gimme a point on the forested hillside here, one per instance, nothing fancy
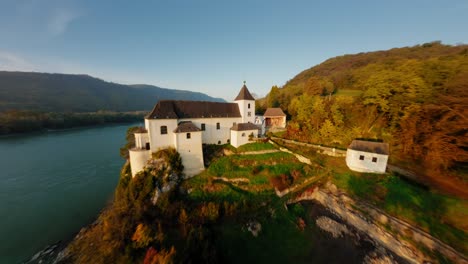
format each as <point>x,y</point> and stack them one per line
<point>415,98</point>
<point>81,93</point>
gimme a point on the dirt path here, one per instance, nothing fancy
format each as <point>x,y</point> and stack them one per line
<point>259,152</point>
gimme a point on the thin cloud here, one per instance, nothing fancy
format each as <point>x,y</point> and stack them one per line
<point>12,62</point>
<point>60,21</point>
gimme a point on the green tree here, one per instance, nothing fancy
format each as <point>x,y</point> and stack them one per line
<point>273,98</point>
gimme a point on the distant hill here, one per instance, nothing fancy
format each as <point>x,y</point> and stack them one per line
<point>81,93</point>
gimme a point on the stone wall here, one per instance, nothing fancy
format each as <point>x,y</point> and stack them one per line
<point>323,150</point>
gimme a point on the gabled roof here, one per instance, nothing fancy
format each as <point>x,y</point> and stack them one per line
<point>244,127</point>
<point>244,94</point>
<point>170,109</point>
<point>273,112</point>
<point>186,126</point>
<point>369,146</point>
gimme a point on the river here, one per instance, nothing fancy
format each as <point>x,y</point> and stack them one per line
<point>52,184</point>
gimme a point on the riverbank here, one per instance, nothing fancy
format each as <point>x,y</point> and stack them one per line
<point>20,122</point>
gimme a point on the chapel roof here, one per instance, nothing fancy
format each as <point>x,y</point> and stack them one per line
<point>244,94</point>
<point>244,127</point>
<point>186,126</point>
<point>369,146</point>
<point>171,109</point>
<point>271,112</point>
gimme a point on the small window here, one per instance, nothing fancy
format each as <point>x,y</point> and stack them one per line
<point>188,135</point>
<point>248,106</point>
<point>361,157</point>
<point>147,146</point>
<point>243,134</point>
<point>163,130</point>
<point>218,126</point>
<point>228,141</point>
<point>374,159</point>
<point>219,142</point>
<point>203,127</point>
<point>249,114</point>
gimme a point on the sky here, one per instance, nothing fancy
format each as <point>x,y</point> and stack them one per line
<point>212,46</point>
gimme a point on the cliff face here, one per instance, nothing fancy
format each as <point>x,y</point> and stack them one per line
<point>390,232</point>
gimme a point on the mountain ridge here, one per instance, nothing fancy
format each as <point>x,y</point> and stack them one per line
<point>58,92</point>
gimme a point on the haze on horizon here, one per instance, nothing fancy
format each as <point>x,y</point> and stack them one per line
<point>212,46</point>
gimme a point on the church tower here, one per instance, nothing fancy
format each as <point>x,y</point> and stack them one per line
<point>246,104</point>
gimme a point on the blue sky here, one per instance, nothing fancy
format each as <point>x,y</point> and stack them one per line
<point>212,46</point>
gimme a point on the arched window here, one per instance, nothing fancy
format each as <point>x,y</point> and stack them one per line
<point>248,106</point>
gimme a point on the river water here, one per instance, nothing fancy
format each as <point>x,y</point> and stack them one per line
<point>52,184</point>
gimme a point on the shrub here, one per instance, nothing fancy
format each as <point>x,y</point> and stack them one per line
<point>281,182</point>
<point>142,236</point>
<point>257,169</point>
<point>162,257</point>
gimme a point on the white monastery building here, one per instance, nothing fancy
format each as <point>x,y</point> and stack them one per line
<point>186,125</point>
<point>367,156</point>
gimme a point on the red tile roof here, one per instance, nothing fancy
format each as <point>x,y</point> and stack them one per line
<point>186,126</point>
<point>244,94</point>
<point>244,127</point>
<point>369,146</point>
<point>170,109</point>
<point>273,112</point>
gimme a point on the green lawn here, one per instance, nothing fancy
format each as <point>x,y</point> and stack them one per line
<point>255,146</point>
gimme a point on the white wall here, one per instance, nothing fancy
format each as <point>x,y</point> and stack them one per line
<point>366,165</point>
<point>158,141</point>
<point>138,160</point>
<point>244,110</point>
<point>211,135</point>
<point>238,140</point>
<point>190,151</point>
<point>141,139</point>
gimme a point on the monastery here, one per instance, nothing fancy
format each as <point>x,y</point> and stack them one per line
<point>186,125</point>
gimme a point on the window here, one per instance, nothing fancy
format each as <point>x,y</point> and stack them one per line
<point>374,159</point>
<point>243,134</point>
<point>218,126</point>
<point>203,127</point>
<point>361,157</point>
<point>248,106</point>
<point>147,146</point>
<point>188,135</point>
<point>228,141</point>
<point>249,114</point>
<point>163,130</point>
<point>219,142</point>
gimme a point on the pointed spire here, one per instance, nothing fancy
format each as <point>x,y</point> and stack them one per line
<point>244,94</point>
